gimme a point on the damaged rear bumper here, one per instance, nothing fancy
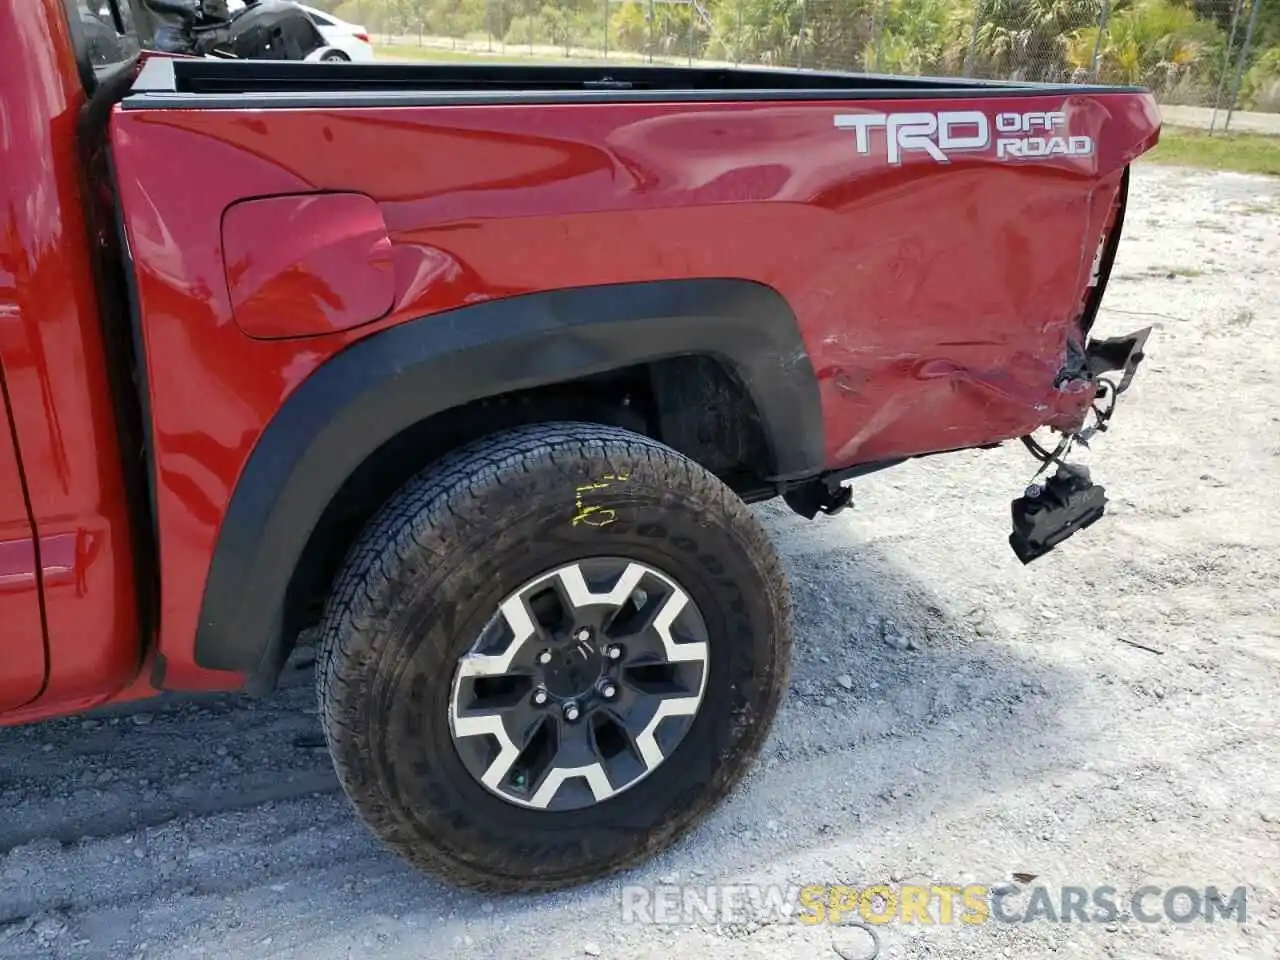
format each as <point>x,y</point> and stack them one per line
<point>1047,514</point>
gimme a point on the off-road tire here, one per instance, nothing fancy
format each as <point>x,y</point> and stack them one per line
<point>430,570</point>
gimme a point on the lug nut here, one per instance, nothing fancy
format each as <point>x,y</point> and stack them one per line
<point>544,656</point>
<point>608,690</point>
<point>583,635</point>
<point>540,696</point>
<point>613,651</point>
<point>571,712</point>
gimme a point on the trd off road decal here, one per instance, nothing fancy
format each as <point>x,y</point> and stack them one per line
<point>1017,136</point>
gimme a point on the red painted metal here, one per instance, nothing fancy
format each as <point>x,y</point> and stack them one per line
<point>55,370</point>
<point>22,652</point>
<point>935,302</point>
<point>300,266</point>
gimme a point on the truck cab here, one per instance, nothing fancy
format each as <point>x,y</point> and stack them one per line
<point>69,574</point>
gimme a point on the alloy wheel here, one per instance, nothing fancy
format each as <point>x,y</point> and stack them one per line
<point>585,680</point>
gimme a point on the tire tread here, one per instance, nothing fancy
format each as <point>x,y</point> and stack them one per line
<point>419,521</point>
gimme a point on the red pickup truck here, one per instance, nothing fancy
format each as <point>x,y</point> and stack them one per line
<point>469,373</point>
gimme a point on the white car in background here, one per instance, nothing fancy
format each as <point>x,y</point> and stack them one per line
<point>346,38</point>
<point>348,41</point>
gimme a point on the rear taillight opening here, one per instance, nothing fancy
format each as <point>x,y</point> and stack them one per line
<point>363,37</point>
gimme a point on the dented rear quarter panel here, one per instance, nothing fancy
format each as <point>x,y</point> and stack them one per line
<point>935,300</point>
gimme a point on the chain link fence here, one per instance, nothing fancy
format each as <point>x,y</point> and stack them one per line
<point>1217,55</point>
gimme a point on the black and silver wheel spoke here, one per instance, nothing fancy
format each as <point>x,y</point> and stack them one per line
<point>585,680</point>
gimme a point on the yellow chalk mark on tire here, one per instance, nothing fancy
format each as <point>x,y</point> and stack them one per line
<point>590,514</point>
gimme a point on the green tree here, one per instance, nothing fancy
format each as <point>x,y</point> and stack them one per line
<point>1153,43</point>
<point>759,31</point>
<point>842,36</point>
<point>1030,39</point>
<point>629,28</point>
<point>1261,87</point>
<point>922,37</point>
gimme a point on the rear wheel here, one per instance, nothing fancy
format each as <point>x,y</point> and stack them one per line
<point>550,655</point>
<point>335,56</point>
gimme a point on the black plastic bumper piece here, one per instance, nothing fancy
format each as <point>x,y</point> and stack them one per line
<point>1045,516</point>
<point>1118,353</point>
<point>820,495</point>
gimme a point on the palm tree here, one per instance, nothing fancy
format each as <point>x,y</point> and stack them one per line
<point>1150,42</point>
<point>922,37</point>
<point>1029,39</point>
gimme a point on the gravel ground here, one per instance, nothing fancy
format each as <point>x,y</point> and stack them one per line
<point>953,716</point>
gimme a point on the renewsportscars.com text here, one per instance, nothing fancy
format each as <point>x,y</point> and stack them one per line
<point>928,904</point>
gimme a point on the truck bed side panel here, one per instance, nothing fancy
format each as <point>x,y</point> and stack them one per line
<point>935,299</point>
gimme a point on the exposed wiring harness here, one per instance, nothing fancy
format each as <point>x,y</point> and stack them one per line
<point>1108,392</point>
<point>1103,406</point>
<point>1047,457</point>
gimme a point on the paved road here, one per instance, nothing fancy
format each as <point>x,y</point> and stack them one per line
<point>1241,122</point>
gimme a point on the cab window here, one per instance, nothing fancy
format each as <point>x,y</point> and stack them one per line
<point>106,33</point>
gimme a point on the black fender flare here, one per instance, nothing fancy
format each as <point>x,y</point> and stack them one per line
<point>388,381</point>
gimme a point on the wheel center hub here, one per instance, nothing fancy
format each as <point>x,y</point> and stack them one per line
<point>574,668</point>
